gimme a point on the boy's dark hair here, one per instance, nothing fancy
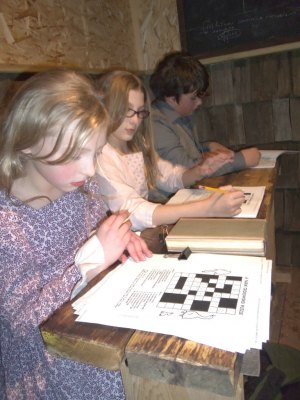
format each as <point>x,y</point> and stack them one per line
<point>178,73</point>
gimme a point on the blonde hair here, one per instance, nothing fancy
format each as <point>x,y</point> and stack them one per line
<point>46,104</point>
<point>115,87</point>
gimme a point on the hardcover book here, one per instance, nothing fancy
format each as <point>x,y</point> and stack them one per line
<point>219,235</point>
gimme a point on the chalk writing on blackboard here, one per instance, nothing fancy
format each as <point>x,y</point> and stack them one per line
<point>218,26</point>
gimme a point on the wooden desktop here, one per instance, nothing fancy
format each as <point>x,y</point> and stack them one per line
<point>156,366</point>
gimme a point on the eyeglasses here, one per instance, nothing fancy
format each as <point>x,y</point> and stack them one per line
<point>200,93</point>
<point>142,114</point>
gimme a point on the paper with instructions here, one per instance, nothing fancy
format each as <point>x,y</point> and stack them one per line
<point>253,198</point>
<point>269,157</point>
<point>217,300</point>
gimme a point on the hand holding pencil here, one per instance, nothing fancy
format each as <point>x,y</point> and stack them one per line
<point>225,200</point>
<point>212,189</point>
<point>221,189</point>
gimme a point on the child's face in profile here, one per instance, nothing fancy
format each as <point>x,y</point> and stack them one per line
<point>127,129</point>
<point>55,180</point>
<point>187,104</point>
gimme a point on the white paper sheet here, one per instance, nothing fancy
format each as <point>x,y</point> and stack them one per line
<point>254,196</point>
<point>221,301</point>
<point>269,157</point>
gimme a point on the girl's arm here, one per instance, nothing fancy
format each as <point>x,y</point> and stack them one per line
<point>106,246</point>
<point>217,205</point>
<point>27,296</point>
<point>120,189</point>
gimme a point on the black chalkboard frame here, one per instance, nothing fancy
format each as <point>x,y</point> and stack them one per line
<point>265,28</point>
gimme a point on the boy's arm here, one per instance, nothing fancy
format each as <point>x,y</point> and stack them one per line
<point>252,156</point>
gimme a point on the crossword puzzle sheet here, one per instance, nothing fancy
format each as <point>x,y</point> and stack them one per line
<point>202,292</point>
<point>219,300</point>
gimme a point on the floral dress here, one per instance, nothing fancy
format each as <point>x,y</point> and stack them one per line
<point>37,275</point>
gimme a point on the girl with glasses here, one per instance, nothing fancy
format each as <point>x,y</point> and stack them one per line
<point>129,168</point>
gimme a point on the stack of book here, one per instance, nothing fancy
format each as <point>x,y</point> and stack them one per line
<point>219,235</point>
<point>242,235</point>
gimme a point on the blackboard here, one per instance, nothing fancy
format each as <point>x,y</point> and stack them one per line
<point>214,27</point>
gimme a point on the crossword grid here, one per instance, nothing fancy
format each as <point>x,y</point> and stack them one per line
<point>248,197</point>
<point>202,292</point>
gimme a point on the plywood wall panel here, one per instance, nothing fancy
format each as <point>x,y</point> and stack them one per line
<point>90,34</point>
<point>66,32</point>
<point>156,30</point>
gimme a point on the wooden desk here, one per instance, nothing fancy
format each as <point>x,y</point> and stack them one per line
<point>156,366</point>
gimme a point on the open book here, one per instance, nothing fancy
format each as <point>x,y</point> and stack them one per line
<point>253,198</point>
<point>219,235</point>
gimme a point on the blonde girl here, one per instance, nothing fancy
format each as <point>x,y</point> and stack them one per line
<point>50,210</point>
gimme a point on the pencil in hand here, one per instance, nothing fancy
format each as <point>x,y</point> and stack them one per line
<point>109,213</point>
<point>211,189</point>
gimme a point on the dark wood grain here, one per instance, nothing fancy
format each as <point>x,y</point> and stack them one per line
<point>182,362</point>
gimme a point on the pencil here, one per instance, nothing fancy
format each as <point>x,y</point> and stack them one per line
<point>211,189</point>
<point>109,213</point>
<point>126,219</point>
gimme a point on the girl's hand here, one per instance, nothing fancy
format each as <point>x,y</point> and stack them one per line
<point>227,204</point>
<point>136,248</point>
<point>116,236</point>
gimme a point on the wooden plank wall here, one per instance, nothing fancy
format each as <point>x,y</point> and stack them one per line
<point>256,101</point>
<point>253,101</point>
